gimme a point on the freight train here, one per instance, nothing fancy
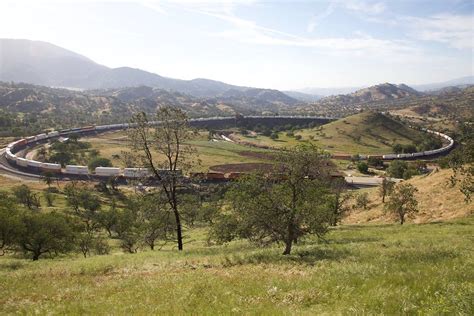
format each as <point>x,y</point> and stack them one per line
<point>135,173</point>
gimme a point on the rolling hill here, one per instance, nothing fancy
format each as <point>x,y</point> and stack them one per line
<point>381,92</point>
<point>364,133</point>
<point>367,132</point>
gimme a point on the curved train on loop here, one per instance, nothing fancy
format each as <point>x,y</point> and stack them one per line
<point>136,173</point>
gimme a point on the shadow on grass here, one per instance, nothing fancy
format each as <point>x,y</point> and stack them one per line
<point>12,266</point>
<point>303,256</point>
<point>350,240</point>
<point>424,256</point>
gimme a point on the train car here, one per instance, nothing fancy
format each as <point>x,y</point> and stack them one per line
<point>215,176</point>
<point>234,175</point>
<point>77,170</point>
<point>136,173</point>
<point>102,127</point>
<point>389,156</point>
<point>30,139</point>
<point>87,129</point>
<point>22,162</point>
<point>341,156</point>
<point>375,156</point>
<point>50,167</point>
<point>10,156</point>
<point>40,137</point>
<point>64,131</point>
<point>107,171</point>
<point>34,165</point>
<point>20,143</point>
<point>53,134</point>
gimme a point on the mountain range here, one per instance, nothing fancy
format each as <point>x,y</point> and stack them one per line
<point>46,64</point>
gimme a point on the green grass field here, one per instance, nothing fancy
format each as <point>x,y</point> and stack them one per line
<point>425,269</point>
<point>209,152</point>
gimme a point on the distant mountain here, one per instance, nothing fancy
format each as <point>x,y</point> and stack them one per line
<point>305,97</point>
<point>458,82</point>
<point>68,108</point>
<point>380,92</point>
<point>324,92</point>
<point>46,64</point>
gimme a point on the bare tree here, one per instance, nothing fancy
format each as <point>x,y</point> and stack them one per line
<point>160,147</point>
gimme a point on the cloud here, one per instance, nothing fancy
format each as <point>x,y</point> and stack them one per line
<point>455,30</point>
<point>371,8</point>
<point>248,31</point>
<point>316,19</point>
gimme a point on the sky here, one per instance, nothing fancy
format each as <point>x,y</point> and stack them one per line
<point>268,44</point>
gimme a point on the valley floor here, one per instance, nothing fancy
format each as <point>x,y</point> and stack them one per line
<point>362,269</point>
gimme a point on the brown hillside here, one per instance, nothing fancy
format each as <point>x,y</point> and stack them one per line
<point>437,201</point>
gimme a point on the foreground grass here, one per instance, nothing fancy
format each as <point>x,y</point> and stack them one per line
<point>424,269</point>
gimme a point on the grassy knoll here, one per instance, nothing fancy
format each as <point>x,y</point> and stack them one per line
<point>367,132</point>
<point>209,152</point>
<point>371,269</point>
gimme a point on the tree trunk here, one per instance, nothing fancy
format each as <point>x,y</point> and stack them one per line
<point>288,245</point>
<point>179,235</point>
<point>36,255</point>
<point>402,219</point>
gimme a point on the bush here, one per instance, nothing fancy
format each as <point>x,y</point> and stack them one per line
<point>274,135</point>
<point>363,167</point>
<point>298,137</point>
<point>375,161</point>
<point>362,201</point>
<point>402,170</point>
<point>99,162</point>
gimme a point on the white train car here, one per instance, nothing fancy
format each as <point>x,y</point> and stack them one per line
<point>107,171</point>
<point>50,167</point>
<point>40,137</point>
<point>35,165</point>
<point>53,134</point>
<point>78,170</point>
<point>22,162</point>
<point>136,173</point>
<point>10,156</point>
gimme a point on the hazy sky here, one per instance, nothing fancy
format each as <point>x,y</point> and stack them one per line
<point>268,44</point>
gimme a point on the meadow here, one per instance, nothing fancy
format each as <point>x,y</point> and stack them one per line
<point>360,269</point>
<point>209,153</point>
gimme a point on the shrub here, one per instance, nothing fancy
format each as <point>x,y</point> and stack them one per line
<point>363,167</point>
<point>99,162</point>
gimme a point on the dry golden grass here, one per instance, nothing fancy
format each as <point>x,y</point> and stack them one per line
<point>437,200</point>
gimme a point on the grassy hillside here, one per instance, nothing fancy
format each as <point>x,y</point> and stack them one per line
<point>366,132</point>
<point>437,201</point>
<point>387,269</point>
